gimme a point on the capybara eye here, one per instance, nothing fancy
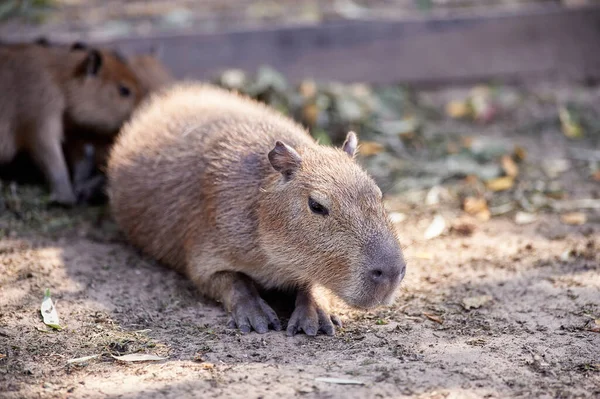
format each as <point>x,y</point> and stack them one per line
<point>317,208</point>
<point>124,91</point>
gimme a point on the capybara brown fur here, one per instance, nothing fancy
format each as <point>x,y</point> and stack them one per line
<point>47,88</point>
<point>240,198</point>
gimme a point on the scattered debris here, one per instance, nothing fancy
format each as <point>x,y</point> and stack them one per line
<point>436,228</point>
<point>525,218</point>
<point>340,381</point>
<point>82,359</point>
<point>478,207</point>
<point>475,302</point>
<point>434,318</point>
<point>573,218</point>
<point>509,166</point>
<point>570,124</point>
<point>369,148</point>
<point>138,357</point>
<point>48,310</point>
<point>501,183</point>
<point>397,217</point>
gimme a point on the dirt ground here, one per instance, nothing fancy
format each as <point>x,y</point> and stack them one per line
<point>533,338</point>
<point>534,330</point>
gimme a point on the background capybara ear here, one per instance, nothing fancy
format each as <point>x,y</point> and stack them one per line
<point>92,63</point>
<point>285,159</point>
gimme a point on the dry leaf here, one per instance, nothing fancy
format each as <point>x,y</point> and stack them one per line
<point>510,167</point>
<point>397,217</point>
<point>424,255</point>
<point>573,218</point>
<point>520,153</point>
<point>369,148</point>
<point>433,317</point>
<point>436,228</point>
<point>478,207</point>
<point>596,175</point>
<point>570,127</point>
<point>49,313</point>
<point>458,109</point>
<point>525,218</point>
<point>310,113</point>
<point>2,355</point>
<point>476,302</point>
<point>208,366</point>
<point>501,183</point>
<point>474,205</point>
<point>308,88</point>
<point>340,381</point>
<point>138,357</point>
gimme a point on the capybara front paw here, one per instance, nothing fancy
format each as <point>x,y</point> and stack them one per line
<point>312,319</point>
<point>253,313</point>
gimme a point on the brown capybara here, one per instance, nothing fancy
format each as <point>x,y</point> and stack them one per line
<point>239,198</point>
<point>87,152</point>
<point>46,88</point>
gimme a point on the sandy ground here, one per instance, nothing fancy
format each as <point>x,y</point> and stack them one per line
<point>533,338</point>
<point>534,333</point>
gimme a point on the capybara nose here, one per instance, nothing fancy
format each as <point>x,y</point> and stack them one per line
<point>388,272</point>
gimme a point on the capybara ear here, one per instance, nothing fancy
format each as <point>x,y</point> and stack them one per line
<point>350,144</point>
<point>285,159</point>
<point>92,63</point>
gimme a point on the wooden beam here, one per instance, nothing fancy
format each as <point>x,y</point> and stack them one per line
<point>551,43</point>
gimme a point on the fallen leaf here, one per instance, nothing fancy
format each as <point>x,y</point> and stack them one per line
<point>208,366</point>
<point>138,357</point>
<point>501,183</point>
<point>573,218</point>
<point>340,381</point>
<point>436,228</point>
<point>520,153</point>
<point>49,313</point>
<point>596,176</point>
<point>433,196</point>
<point>310,113</point>
<point>570,126</point>
<point>397,217</point>
<point>525,218</point>
<point>476,302</point>
<point>565,255</point>
<point>477,207</point>
<point>82,359</point>
<point>424,255</point>
<point>308,88</point>
<point>2,355</point>
<point>458,109</point>
<point>369,148</point>
<point>510,167</point>
<point>433,317</point>
<point>554,167</point>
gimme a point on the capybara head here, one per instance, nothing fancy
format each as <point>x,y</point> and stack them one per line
<point>102,92</point>
<point>324,218</point>
<point>151,72</point>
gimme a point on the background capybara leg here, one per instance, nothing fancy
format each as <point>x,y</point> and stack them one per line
<point>47,152</point>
